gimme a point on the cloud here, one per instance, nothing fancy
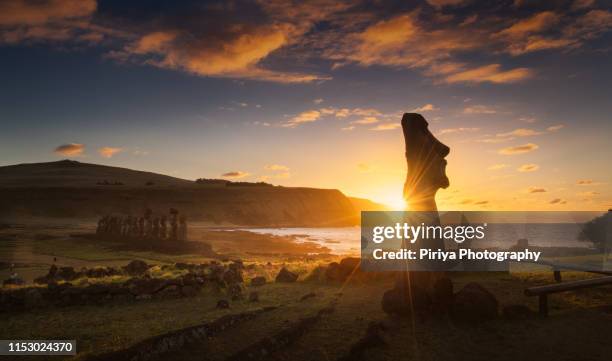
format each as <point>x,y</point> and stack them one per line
<point>521,132</point>
<point>490,73</point>
<point>534,24</point>
<point>558,201</point>
<point>49,20</point>
<point>308,116</point>
<point>536,190</point>
<point>588,194</point>
<point>366,120</point>
<point>519,149</point>
<point>235,174</point>
<point>528,168</point>
<point>497,166</point>
<point>236,54</point>
<point>349,128</point>
<point>554,128</point>
<point>479,109</point>
<point>276,167</point>
<point>425,108</point>
<point>407,41</point>
<point>481,203</point>
<point>582,4</point>
<point>456,130</point>
<point>387,126</point>
<point>318,101</point>
<point>584,182</point>
<point>109,152</point>
<point>466,201</point>
<point>71,149</point>
<point>364,168</point>
<point>442,3</point>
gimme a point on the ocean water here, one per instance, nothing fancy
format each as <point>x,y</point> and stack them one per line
<point>346,240</point>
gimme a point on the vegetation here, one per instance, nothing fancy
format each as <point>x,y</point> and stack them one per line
<point>599,231</point>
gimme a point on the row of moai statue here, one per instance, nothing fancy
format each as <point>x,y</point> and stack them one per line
<point>147,226</point>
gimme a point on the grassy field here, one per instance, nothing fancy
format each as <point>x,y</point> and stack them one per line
<point>579,325</point>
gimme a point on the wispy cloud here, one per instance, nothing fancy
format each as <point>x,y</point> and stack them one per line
<point>521,132</point>
<point>235,174</point>
<point>554,128</point>
<point>525,168</point>
<point>519,149</point>
<point>536,190</point>
<point>492,73</point>
<point>387,126</point>
<point>425,108</point>
<point>308,116</point>
<point>366,120</point>
<point>109,152</point>
<point>70,149</point>
<point>479,109</point>
<point>558,201</point>
<point>276,167</point>
<point>457,130</point>
<point>497,166</point>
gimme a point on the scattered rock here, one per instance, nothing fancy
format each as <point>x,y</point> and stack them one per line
<point>253,296</point>
<point>402,301</point>
<point>233,275</point>
<point>286,276</point>
<point>136,268</point>
<point>13,281</point>
<point>222,304</point>
<point>517,312</point>
<point>258,281</point>
<point>474,304</point>
<point>307,296</point>
<point>235,291</point>
<point>67,273</point>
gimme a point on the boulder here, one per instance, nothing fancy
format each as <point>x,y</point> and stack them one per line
<point>233,275</point>
<point>235,291</point>
<point>286,276</point>
<point>258,281</point>
<point>402,301</point>
<point>136,268</point>
<point>474,304</point>
<point>340,272</point>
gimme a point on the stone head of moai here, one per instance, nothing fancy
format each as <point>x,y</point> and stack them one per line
<point>426,164</point>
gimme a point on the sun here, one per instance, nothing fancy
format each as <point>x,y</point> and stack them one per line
<point>396,203</point>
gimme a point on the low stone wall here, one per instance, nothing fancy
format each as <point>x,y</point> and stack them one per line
<point>140,286</point>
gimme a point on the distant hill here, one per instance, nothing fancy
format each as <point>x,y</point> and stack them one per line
<point>82,190</point>
<point>362,204</point>
<point>70,173</point>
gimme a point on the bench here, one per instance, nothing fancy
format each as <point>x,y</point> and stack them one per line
<point>543,291</point>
